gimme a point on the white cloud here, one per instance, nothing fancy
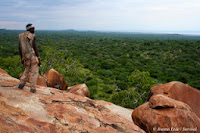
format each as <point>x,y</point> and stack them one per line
<point>104,14</point>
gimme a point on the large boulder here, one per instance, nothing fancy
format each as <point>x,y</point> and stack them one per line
<point>181,92</point>
<point>55,111</point>
<point>55,79</point>
<point>80,89</point>
<point>164,114</point>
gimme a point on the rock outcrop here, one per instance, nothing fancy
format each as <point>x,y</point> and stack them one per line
<point>55,111</point>
<point>80,89</point>
<point>169,110</point>
<point>181,92</point>
<point>55,79</point>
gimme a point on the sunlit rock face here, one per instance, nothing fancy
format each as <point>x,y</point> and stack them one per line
<point>54,78</point>
<point>56,111</point>
<point>181,92</point>
<point>80,89</point>
<point>169,109</point>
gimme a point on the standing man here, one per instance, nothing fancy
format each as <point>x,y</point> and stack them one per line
<point>29,57</point>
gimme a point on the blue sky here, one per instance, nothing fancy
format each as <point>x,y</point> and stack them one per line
<point>102,15</point>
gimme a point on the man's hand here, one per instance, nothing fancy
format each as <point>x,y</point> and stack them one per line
<point>22,62</point>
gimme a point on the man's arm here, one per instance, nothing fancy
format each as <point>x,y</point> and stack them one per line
<point>20,50</point>
<point>35,47</point>
<point>36,50</point>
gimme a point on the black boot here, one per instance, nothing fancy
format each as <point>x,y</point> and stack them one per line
<point>21,86</point>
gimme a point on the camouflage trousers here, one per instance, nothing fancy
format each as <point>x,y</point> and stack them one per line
<point>32,67</point>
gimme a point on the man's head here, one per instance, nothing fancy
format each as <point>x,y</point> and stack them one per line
<point>30,27</point>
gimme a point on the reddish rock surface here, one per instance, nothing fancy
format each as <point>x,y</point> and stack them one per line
<point>41,81</point>
<point>8,80</point>
<point>80,89</point>
<point>53,78</point>
<point>164,114</point>
<point>171,107</point>
<point>4,73</point>
<point>56,111</point>
<point>181,92</point>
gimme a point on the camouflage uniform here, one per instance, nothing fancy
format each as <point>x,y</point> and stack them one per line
<point>26,40</point>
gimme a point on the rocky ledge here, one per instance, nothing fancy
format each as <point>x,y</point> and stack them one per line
<point>171,107</point>
<point>56,111</point>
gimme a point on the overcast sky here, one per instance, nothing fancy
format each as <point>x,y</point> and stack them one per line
<point>102,15</point>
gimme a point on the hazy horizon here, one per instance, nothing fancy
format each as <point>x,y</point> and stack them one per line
<point>115,31</point>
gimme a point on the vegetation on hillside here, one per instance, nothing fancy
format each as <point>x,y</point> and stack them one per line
<point>117,67</point>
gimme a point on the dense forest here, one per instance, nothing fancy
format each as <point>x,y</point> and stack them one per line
<point>117,67</point>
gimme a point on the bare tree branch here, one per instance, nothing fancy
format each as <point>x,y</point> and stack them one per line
<point>137,100</point>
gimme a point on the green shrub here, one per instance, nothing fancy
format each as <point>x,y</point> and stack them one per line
<point>139,86</point>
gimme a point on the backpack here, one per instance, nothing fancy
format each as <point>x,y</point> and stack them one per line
<point>26,43</point>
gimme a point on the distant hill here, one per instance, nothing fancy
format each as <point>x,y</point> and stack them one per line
<point>3,29</point>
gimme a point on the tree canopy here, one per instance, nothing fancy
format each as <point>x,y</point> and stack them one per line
<point>117,67</point>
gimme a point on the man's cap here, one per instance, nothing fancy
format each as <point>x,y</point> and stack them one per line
<point>30,27</point>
